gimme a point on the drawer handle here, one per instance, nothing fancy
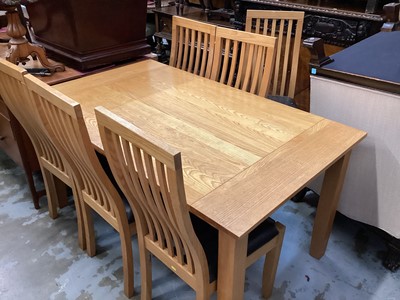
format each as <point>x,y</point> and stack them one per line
<point>2,138</point>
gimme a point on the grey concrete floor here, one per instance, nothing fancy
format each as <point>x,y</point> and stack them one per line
<point>40,258</point>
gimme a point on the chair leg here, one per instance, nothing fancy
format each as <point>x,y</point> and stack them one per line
<point>271,263</point>
<point>79,218</point>
<point>127,262</point>
<point>36,195</point>
<point>61,190</point>
<point>86,217</point>
<point>202,294</point>
<point>53,192</point>
<point>145,271</point>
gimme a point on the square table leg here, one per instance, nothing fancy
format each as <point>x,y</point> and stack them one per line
<point>326,210</point>
<point>232,254</point>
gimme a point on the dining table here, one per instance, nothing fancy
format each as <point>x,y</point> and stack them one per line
<point>243,155</point>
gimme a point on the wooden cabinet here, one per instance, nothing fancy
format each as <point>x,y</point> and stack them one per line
<point>85,34</point>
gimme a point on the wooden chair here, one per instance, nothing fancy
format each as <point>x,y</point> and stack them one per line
<point>55,170</point>
<point>63,119</point>
<point>278,24</point>
<point>192,46</point>
<point>150,174</point>
<point>243,60</point>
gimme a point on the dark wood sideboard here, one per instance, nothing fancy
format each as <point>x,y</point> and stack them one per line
<point>341,23</point>
<point>85,34</point>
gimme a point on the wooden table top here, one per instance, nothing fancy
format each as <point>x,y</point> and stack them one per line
<point>243,155</point>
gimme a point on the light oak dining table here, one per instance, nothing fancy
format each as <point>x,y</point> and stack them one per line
<point>243,156</point>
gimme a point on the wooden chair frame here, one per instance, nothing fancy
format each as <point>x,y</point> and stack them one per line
<point>62,117</point>
<point>55,170</point>
<point>287,27</point>
<point>150,174</point>
<point>192,46</point>
<point>243,60</point>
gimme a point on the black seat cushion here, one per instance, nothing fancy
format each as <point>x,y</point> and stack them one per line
<point>208,237</point>
<point>261,235</point>
<point>283,100</point>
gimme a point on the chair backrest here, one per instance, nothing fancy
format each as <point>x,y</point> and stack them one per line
<point>62,117</point>
<point>287,26</point>
<point>16,97</point>
<point>243,60</point>
<point>149,173</point>
<point>192,46</point>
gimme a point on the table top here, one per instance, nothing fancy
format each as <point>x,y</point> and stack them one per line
<point>373,62</point>
<point>243,156</point>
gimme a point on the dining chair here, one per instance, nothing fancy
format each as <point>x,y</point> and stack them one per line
<point>54,168</point>
<point>243,60</point>
<point>279,24</point>
<point>192,46</point>
<point>150,174</point>
<point>287,27</point>
<point>63,119</point>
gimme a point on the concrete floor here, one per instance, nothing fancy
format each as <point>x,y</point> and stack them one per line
<point>40,259</point>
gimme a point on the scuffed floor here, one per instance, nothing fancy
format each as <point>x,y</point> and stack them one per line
<point>40,258</point>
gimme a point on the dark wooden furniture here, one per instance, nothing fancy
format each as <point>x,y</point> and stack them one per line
<point>163,20</point>
<point>361,88</point>
<point>86,34</point>
<point>19,47</point>
<point>341,23</point>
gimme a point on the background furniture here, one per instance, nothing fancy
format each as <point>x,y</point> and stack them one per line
<point>255,140</point>
<point>163,20</point>
<point>243,60</point>
<point>361,88</point>
<point>150,174</point>
<point>85,34</point>
<point>192,46</point>
<point>19,47</point>
<point>339,23</point>
<point>65,127</point>
<point>286,26</point>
